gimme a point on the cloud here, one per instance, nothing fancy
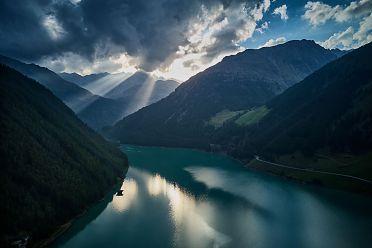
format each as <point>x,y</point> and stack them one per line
<point>282,12</point>
<point>150,35</point>
<point>364,33</point>
<point>274,42</point>
<point>317,13</point>
<point>350,38</point>
<point>344,38</point>
<point>71,62</point>
<point>264,26</point>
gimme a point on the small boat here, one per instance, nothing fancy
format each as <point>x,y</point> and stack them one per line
<point>120,192</point>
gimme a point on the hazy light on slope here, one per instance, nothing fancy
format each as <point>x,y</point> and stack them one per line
<point>142,96</point>
<point>103,85</point>
<point>98,87</point>
<point>79,103</point>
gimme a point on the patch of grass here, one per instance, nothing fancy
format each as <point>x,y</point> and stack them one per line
<point>253,116</point>
<point>221,117</point>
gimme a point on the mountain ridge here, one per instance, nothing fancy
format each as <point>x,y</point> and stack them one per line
<point>238,82</point>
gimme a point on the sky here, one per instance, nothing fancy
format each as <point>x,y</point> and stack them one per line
<point>169,38</point>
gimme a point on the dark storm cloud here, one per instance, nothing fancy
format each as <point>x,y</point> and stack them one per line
<point>151,31</point>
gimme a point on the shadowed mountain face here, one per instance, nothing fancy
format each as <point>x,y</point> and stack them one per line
<point>124,95</point>
<point>238,82</point>
<point>94,110</point>
<point>52,165</point>
<point>331,109</point>
<point>72,95</point>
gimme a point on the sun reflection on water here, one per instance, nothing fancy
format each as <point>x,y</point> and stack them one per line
<point>190,226</point>
<point>130,189</point>
<point>189,215</point>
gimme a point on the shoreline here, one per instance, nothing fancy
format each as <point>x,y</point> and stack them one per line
<point>61,229</point>
<point>301,178</point>
<point>248,164</point>
<point>308,177</point>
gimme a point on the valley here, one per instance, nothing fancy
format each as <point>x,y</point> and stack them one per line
<point>185,124</point>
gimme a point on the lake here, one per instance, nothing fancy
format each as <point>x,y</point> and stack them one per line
<point>187,198</point>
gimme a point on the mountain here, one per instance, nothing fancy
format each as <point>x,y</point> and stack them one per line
<point>72,95</point>
<point>141,89</point>
<point>129,86</point>
<point>323,123</point>
<point>331,109</point>
<point>94,110</point>
<point>122,94</point>
<point>238,83</point>
<point>162,89</point>
<point>52,166</point>
<point>80,80</point>
<point>98,84</point>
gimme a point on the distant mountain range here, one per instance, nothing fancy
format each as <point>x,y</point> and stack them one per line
<point>96,110</point>
<point>189,116</point>
<point>137,90</point>
<point>52,166</point>
<point>133,92</point>
<point>80,80</point>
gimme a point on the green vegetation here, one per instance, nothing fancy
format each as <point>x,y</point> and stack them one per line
<point>221,117</point>
<point>52,166</point>
<point>252,116</point>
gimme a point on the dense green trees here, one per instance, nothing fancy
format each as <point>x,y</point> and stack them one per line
<point>52,165</point>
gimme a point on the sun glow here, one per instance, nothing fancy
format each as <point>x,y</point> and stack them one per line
<point>122,203</point>
<point>183,209</point>
<point>103,85</point>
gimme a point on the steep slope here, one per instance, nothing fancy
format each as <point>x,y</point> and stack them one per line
<point>52,165</point>
<point>162,88</point>
<point>94,110</point>
<point>238,82</point>
<point>72,95</point>
<point>331,109</point>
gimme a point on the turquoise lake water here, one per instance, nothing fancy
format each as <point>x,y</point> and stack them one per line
<point>188,198</point>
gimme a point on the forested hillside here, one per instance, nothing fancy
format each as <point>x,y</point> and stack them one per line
<point>52,166</point>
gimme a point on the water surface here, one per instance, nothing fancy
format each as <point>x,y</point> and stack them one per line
<point>187,198</point>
